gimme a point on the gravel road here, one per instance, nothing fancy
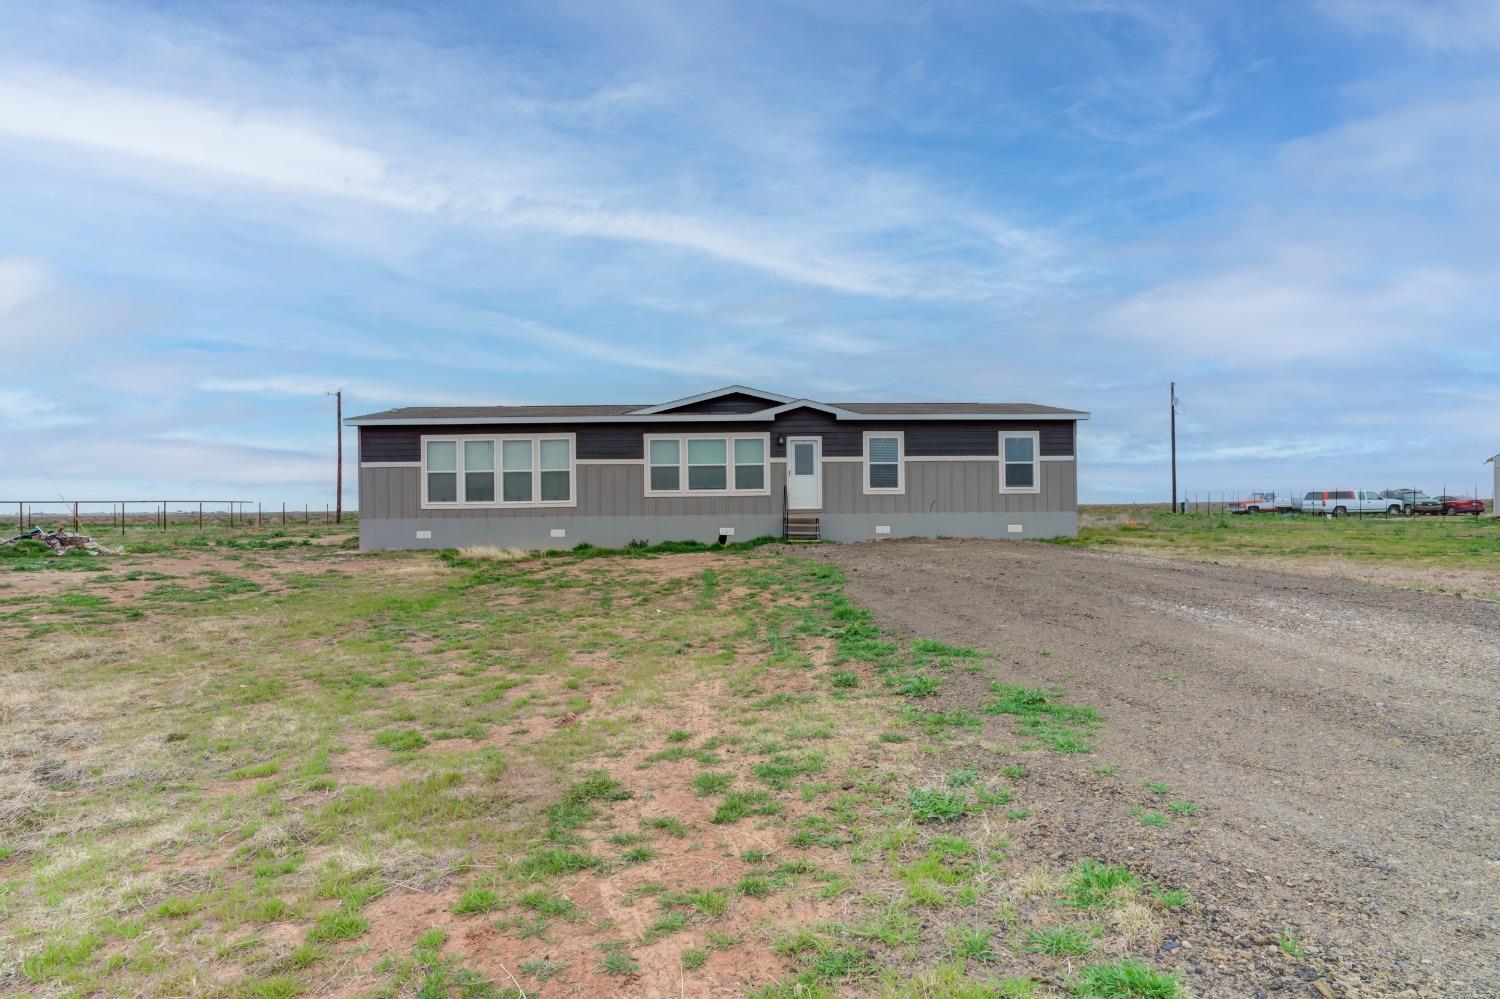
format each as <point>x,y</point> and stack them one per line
<point>1339,737</point>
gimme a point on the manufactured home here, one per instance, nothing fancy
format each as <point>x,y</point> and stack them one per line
<point>731,464</point>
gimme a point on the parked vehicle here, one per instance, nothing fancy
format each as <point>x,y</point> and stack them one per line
<point>1342,502</point>
<point>1410,501</point>
<point>1453,505</point>
<point>1255,503</point>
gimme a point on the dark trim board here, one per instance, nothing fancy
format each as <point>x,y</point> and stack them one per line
<point>624,441</point>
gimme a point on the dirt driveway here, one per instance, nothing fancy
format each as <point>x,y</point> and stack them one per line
<point>1339,737</point>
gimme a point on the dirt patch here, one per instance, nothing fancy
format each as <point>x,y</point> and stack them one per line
<point>1338,739</point>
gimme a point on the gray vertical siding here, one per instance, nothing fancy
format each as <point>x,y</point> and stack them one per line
<point>618,490</point>
<point>954,498</point>
<point>950,487</point>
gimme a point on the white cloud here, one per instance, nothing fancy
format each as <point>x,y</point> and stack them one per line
<point>321,385</point>
<point>1442,25</point>
<point>1301,306</point>
<point>822,232</point>
<point>24,410</point>
<point>1441,147</point>
<point>239,142</point>
<point>704,362</point>
<point>22,281</point>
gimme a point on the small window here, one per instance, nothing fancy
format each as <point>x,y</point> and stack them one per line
<point>883,463</point>
<point>707,462</point>
<point>750,463</point>
<point>802,458</point>
<point>442,471</point>
<point>1018,462</point>
<point>557,470</point>
<point>479,471</point>
<point>515,463</point>
<point>665,458</point>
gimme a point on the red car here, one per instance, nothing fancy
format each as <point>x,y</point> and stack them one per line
<point>1453,505</point>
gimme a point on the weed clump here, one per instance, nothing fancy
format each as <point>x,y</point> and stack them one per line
<point>936,804</point>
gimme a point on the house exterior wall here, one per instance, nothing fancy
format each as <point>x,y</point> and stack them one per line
<point>951,478</point>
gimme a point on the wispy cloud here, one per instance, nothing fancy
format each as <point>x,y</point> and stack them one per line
<point>244,142</point>
<point>319,386</point>
<point>292,150</point>
<point>1442,25</point>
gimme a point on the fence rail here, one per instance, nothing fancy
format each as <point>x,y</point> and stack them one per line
<point>1219,500</point>
<point>237,512</point>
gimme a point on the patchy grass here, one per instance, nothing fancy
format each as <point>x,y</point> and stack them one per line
<point>1125,979</point>
<point>1401,547</point>
<point>384,759</point>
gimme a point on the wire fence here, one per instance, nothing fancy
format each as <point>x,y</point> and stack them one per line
<point>1383,502</point>
<point>121,515</point>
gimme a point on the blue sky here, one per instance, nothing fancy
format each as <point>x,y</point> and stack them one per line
<point>211,214</point>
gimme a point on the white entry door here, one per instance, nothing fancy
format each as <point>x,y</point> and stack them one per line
<point>804,473</point>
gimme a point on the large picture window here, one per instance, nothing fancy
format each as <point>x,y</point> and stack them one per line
<point>498,471</point>
<point>883,462</point>
<point>726,464</point>
<point>1019,456</point>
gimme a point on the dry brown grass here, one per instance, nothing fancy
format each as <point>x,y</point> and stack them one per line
<point>492,553</point>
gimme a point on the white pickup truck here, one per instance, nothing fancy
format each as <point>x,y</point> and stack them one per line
<point>1342,502</point>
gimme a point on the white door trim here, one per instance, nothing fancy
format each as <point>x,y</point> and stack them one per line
<point>793,500</point>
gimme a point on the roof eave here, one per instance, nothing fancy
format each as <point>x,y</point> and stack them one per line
<point>717,393</point>
<point>764,416</point>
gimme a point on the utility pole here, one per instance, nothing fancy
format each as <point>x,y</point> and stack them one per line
<point>1174,447</point>
<point>338,495</point>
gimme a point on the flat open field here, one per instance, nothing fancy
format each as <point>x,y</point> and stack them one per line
<point>1459,555</point>
<point>244,765</point>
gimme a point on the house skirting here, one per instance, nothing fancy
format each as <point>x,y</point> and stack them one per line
<point>538,532</point>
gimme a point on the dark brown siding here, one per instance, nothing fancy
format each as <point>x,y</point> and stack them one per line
<point>390,443</point>
<point>623,441</point>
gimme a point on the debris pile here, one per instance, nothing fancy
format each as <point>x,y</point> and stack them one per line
<point>59,542</point>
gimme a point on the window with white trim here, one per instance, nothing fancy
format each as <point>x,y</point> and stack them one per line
<point>498,471</point>
<point>708,465</point>
<point>1020,454</point>
<point>664,458</point>
<point>479,471</point>
<point>749,464</point>
<point>884,466</point>
<point>556,466</point>
<point>727,464</point>
<point>442,471</point>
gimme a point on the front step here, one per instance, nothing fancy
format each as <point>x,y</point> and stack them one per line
<point>802,527</point>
